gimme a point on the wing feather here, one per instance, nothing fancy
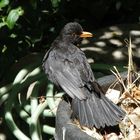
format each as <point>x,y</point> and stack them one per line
<point>70,73</point>
<point>70,83</point>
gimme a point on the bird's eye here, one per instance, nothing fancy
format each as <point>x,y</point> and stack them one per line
<point>73,34</point>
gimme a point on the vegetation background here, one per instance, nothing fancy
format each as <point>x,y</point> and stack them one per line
<point>27,29</point>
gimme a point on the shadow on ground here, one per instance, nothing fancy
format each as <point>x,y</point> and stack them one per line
<point>109,45</point>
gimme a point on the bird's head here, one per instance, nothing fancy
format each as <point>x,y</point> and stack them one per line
<point>73,33</point>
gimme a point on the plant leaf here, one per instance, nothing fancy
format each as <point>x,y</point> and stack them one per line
<point>13,17</point>
<point>55,3</point>
<point>3,3</point>
<point>2,24</point>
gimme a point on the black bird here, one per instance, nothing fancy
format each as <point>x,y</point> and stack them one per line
<point>67,67</point>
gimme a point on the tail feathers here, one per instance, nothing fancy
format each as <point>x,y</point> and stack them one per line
<point>97,111</point>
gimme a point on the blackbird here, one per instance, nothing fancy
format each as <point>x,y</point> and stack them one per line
<point>67,67</point>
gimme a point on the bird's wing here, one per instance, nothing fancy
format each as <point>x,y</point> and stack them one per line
<point>71,72</point>
<point>68,76</point>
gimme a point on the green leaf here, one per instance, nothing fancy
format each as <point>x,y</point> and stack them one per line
<point>3,3</point>
<point>55,3</point>
<point>2,24</point>
<point>4,48</point>
<point>13,17</point>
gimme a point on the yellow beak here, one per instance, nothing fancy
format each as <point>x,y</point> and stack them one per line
<point>86,34</point>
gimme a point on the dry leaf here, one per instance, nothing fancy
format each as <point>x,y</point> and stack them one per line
<point>113,95</point>
<point>135,117</point>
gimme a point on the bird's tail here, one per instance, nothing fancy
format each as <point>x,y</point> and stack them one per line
<point>97,111</point>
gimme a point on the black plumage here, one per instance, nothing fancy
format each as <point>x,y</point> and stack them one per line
<point>67,67</point>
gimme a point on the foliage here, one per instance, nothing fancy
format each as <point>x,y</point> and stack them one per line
<point>25,27</point>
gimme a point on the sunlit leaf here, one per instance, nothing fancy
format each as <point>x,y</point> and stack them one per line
<point>13,35</point>
<point>4,48</point>
<point>3,3</point>
<point>55,3</point>
<point>2,24</point>
<point>13,17</point>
